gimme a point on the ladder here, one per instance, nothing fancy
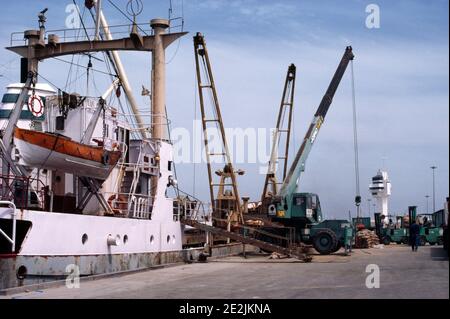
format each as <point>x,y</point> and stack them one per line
<point>212,118</point>
<point>281,133</point>
<point>293,251</point>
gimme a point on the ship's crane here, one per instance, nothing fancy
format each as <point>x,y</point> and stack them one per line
<point>282,135</point>
<point>227,203</point>
<point>302,210</point>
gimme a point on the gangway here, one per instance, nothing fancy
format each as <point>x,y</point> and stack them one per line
<point>297,251</point>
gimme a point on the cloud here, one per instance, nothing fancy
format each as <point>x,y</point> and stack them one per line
<point>255,10</point>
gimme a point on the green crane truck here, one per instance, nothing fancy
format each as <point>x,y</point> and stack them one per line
<point>302,211</point>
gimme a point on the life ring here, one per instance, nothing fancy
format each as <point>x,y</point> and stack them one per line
<point>36,106</point>
<point>118,203</point>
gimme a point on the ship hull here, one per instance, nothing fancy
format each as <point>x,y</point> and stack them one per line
<point>45,269</point>
<point>18,270</point>
<point>48,243</point>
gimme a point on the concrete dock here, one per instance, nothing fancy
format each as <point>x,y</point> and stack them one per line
<point>403,274</point>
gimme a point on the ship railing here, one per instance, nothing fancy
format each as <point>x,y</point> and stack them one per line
<point>24,192</point>
<point>148,119</point>
<point>141,208</point>
<point>185,208</point>
<point>109,144</point>
<point>82,34</point>
<point>11,239</point>
<point>137,206</point>
<point>117,31</point>
<point>145,167</point>
<point>144,163</point>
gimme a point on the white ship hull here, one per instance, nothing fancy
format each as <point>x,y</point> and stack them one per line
<point>55,241</point>
<point>58,234</point>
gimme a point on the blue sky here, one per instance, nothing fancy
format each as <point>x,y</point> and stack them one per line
<point>401,72</point>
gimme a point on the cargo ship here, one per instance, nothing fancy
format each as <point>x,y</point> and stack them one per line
<point>85,183</point>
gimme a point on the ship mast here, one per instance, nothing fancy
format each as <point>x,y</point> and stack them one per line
<point>159,122</point>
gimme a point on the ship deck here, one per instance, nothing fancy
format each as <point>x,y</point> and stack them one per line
<point>403,274</point>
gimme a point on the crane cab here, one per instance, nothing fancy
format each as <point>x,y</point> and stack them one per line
<point>306,206</point>
<point>303,207</point>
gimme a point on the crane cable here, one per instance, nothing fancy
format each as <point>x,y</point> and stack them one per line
<point>355,145</point>
<point>194,156</point>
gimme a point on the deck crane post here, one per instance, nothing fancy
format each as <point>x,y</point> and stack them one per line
<point>227,203</point>
<point>302,210</point>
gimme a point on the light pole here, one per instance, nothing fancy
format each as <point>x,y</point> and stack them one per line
<point>427,196</point>
<point>434,189</point>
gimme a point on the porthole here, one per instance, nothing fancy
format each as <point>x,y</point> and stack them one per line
<point>173,239</point>
<point>22,272</point>
<point>84,239</point>
<point>168,239</point>
<point>125,239</point>
<point>152,239</point>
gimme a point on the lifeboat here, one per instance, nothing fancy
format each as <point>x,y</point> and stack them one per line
<point>58,152</point>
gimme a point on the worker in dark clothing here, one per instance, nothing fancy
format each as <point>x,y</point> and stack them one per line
<point>414,235</point>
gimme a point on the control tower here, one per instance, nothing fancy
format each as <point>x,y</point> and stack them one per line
<point>381,190</point>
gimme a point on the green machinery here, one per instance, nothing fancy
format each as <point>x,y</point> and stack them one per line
<point>302,210</point>
<point>430,231</point>
<point>391,234</point>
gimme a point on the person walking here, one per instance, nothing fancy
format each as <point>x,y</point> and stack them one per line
<point>414,235</point>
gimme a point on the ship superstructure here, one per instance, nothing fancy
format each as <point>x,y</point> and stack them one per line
<point>84,183</point>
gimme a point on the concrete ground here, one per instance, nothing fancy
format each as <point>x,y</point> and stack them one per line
<point>403,274</point>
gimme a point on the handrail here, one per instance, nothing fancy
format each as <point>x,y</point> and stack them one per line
<point>8,192</point>
<point>13,214</point>
<point>137,206</point>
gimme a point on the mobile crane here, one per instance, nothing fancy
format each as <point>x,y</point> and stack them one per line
<point>302,210</point>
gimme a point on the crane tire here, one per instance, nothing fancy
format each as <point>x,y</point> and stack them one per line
<point>325,242</point>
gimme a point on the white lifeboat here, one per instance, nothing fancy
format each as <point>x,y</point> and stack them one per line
<point>58,152</point>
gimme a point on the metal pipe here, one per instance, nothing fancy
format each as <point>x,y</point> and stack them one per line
<point>51,200</point>
<point>159,128</point>
<point>97,20</point>
<point>123,77</point>
<point>434,189</point>
<point>113,241</point>
<point>110,89</point>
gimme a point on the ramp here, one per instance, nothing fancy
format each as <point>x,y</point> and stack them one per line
<point>293,251</point>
